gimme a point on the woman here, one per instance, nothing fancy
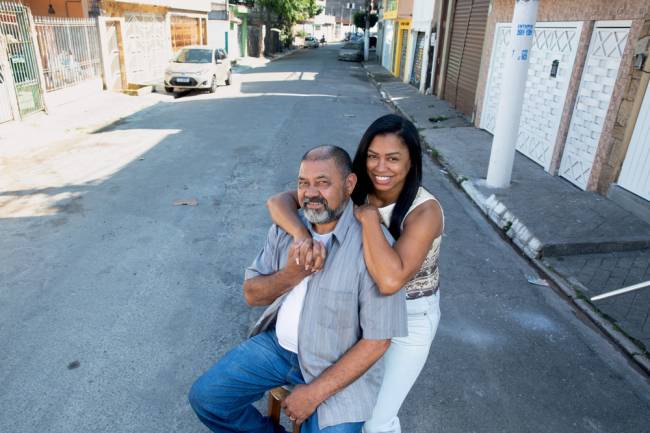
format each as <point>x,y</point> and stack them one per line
<point>388,165</point>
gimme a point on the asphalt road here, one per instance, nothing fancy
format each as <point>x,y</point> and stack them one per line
<point>112,300</point>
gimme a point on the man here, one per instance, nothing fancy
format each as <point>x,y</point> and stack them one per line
<point>322,332</point>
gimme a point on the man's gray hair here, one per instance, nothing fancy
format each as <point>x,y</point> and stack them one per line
<point>328,151</point>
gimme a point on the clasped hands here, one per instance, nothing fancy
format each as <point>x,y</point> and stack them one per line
<point>305,257</point>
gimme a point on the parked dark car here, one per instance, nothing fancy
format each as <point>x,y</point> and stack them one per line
<point>351,51</point>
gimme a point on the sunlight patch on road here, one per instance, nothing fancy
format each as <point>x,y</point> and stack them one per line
<point>472,334</point>
<point>278,76</point>
<point>300,95</point>
<point>34,204</point>
<point>38,184</point>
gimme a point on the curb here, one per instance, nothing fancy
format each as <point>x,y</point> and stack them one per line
<point>574,290</point>
<point>530,246</point>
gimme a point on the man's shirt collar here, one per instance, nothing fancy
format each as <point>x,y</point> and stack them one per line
<point>342,225</point>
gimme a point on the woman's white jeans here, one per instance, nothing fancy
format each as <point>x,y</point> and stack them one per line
<point>403,362</point>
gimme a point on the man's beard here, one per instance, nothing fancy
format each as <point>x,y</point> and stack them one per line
<point>324,216</point>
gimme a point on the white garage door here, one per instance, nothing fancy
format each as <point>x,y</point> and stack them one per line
<point>596,86</point>
<point>387,49</point>
<point>147,47</point>
<point>635,174</point>
<point>553,43</point>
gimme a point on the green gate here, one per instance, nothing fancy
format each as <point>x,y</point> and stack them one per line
<point>17,42</point>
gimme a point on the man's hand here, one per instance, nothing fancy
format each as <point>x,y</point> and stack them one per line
<point>295,268</point>
<point>301,403</point>
<point>310,254</point>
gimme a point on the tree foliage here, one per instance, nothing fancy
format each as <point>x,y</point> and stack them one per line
<point>360,20</point>
<point>290,12</point>
<point>284,14</point>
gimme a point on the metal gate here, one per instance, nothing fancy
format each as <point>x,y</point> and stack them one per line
<point>147,47</point>
<point>635,174</point>
<point>18,44</point>
<point>465,50</point>
<point>606,49</point>
<point>552,58</point>
<point>69,50</point>
<point>416,72</point>
<point>188,30</point>
<point>388,46</point>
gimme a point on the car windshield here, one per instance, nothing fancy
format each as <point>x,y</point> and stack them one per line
<point>309,38</point>
<point>352,46</point>
<point>193,55</point>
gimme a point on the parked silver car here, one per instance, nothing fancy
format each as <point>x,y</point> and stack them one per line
<point>351,51</point>
<point>198,67</point>
<point>311,42</point>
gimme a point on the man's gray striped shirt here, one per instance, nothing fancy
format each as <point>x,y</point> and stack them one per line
<point>342,305</point>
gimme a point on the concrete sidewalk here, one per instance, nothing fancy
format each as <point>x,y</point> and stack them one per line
<point>584,242</point>
<point>81,116</point>
<point>90,112</point>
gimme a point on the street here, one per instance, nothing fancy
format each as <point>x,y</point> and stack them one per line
<point>113,300</point>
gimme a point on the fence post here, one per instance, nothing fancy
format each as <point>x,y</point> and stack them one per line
<point>103,50</point>
<point>37,54</point>
<point>88,52</point>
<point>9,78</point>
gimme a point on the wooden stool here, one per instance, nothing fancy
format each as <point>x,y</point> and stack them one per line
<point>276,396</point>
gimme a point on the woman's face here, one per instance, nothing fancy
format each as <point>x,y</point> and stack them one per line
<point>388,162</point>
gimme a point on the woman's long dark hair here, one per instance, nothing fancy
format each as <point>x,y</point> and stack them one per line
<point>403,128</point>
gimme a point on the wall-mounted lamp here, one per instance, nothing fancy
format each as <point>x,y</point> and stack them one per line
<point>554,67</point>
<point>640,52</point>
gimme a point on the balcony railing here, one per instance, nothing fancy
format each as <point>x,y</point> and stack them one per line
<point>249,3</point>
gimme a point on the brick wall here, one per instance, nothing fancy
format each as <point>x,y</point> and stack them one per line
<point>405,9</point>
<point>118,9</point>
<point>611,160</point>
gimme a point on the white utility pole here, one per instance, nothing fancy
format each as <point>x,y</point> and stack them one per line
<point>366,32</point>
<point>512,96</point>
<point>350,17</point>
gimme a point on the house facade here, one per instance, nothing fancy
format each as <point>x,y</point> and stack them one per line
<point>586,114</point>
<point>422,50</point>
<point>586,111</point>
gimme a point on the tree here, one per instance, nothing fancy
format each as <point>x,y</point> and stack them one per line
<point>283,14</point>
<point>360,20</point>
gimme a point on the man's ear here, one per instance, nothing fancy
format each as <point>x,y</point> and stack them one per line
<point>350,183</point>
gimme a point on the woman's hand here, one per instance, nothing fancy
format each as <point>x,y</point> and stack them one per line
<point>366,213</point>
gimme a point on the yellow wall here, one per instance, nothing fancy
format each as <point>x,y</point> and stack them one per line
<point>390,9</point>
<point>399,43</point>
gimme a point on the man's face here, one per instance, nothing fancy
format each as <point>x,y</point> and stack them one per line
<point>322,190</point>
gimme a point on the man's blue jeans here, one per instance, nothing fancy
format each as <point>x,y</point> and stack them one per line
<point>222,398</point>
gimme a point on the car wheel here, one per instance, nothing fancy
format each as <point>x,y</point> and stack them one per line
<point>169,89</point>
<point>229,79</point>
<point>213,84</point>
